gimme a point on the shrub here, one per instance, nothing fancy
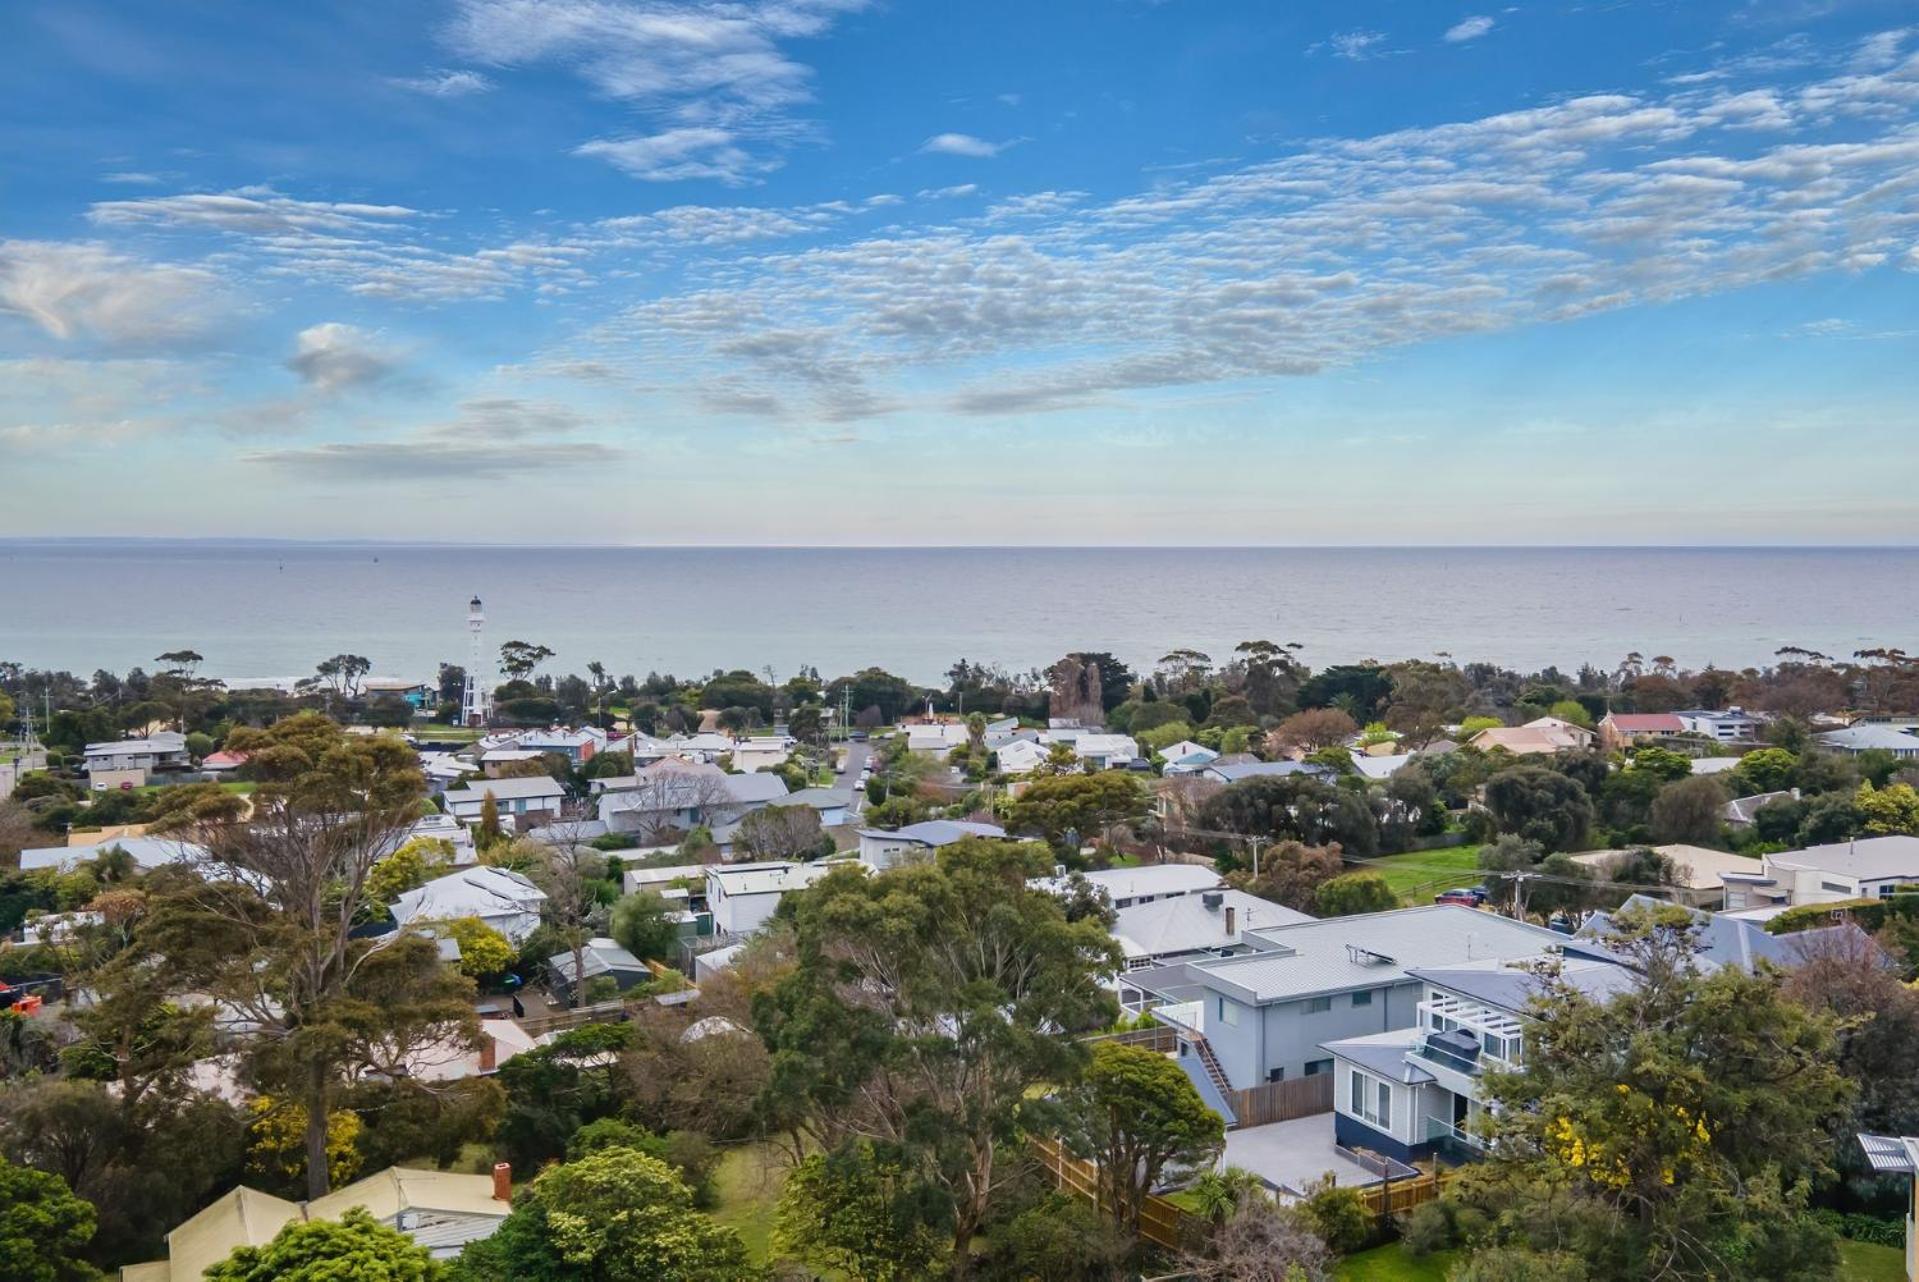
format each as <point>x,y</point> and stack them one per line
<point>1428,1228</point>
<point>1339,1216</point>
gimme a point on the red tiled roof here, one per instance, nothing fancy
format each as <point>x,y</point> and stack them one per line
<point>1646,722</point>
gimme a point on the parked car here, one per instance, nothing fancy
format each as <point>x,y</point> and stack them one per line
<point>1470,896</point>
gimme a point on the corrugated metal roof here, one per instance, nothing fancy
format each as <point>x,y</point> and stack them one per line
<point>1368,950</point>
<point>1889,1154</point>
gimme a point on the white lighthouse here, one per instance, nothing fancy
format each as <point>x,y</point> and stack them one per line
<point>476,700</point>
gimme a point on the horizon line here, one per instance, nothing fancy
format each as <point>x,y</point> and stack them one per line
<point>55,540</point>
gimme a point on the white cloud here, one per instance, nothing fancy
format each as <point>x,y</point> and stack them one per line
<point>335,357</point>
<point>404,462</point>
<point>445,84</point>
<point>1469,29</point>
<point>949,193</point>
<point>961,145</point>
<point>1355,46</point>
<point>678,154</point>
<point>685,65</point>
<point>1312,261</point>
<point>254,211</point>
<point>131,178</point>
<point>82,290</point>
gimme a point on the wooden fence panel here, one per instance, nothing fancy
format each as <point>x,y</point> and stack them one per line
<point>1283,1101</point>
<point>1161,1222</point>
<point>1400,1196</point>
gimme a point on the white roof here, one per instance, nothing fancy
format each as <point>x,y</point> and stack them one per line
<point>1866,859</point>
<point>1152,879</point>
<point>641,878</point>
<point>1368,950</point>
<point>472,892</point>
<point>1106,745</point>
<point>147,852</point>
<point>773,878</point>
<point>1381,767</point>
<point>1184,923</point>
<point>1720,765</point>
<point>1703,866</point>
<point>164,742</point>
<point>508,789</point>
<point>1854,739</point>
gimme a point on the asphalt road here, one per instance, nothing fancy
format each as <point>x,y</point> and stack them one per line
<point>849,773</point>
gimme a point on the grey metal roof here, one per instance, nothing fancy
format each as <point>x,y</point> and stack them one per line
<point>1510,988</point>
<point>1383,1055</point>
<point>935,832</point>
<point>600,957</point>
<point>1889,1154</point>
<point>1720,940</point>
<point>1868,858</point>
<point>1257,769</point>
<point>1183,923</point>
<point>1369,950</point>
<point>508,789</point>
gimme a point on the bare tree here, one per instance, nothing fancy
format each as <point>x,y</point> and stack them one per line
<point>571,874</point>
<point>1262,1242</point>
<point>780,832</point>
<point>671,796</point>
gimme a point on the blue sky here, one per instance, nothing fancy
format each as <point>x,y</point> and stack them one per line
<point>832,271</point>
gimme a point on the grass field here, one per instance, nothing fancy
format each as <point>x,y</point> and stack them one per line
<point>1859,1262</point>
<point>1864,1262</point>
<point>1417,877</point>
<point>748,1182</point>
<point>1391,1263</point>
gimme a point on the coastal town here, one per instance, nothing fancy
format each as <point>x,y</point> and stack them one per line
<point>1216,969</point>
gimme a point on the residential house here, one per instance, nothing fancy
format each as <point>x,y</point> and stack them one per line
<point>1866,868</point>
<point>1125,887</point>
<point>503,899</point>
<point>1155,932</point>
<point>437,827</point>
<point>1714,765</point>
<point>440,1210</point>
<point>742,897</point>
<point>520,799</point>
<point>1731,725</point>
<point>148,853</point>
<point>1543,736</point>
<point>938,738</point>
<point>166,750</point>
<point>1407,1091</point>
<point>882,848</point>
<point>1383,766</point>
<point>223,762</point>
<point>672,794</point>
<point>415,694</point>
<point>761,753</point>
<point>1020,756</point>
<point>1267,1012</point>
<point>1619,731</point>
<point>494,762</point>
<point>835,805</point>
<point>1187,757</point>
<point>1700,870</point>
<point>1106,751</point>
<point>1223,771</point>
<point>1855,739</point>
<point>659,880</point>
<point>578,746</point>
<point>601,956</point>
<point>1741,811</point>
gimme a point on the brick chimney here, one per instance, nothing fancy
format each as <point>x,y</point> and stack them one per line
<point>503,1181</point>
<point>1231,912</point>
<point>489,1052</point>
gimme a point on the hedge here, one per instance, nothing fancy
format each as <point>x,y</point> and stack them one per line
<point>1868,914</point>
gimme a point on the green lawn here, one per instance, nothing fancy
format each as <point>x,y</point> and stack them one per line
<point>1864,1262</point>
<point>1391,1263</point>
<point>1859,1262</point>
<point>1418,876</point>
<point>239,787</point>
<point>749,1181</point>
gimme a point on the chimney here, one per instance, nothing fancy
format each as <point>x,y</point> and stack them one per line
<point>502,1181</point>
<point>1230,913</point>
<point>489,1052</point>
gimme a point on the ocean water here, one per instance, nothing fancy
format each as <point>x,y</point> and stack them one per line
<point>262,610</point>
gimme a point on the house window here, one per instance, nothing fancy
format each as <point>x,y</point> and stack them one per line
<point>1372,1101</point>
<point>1228,1013</point>
<point>1837,887</point>
<point>1314,1005</point>
<point>1363,998</point>
<point>1275,1074</point>
<point>1318,1067</point>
